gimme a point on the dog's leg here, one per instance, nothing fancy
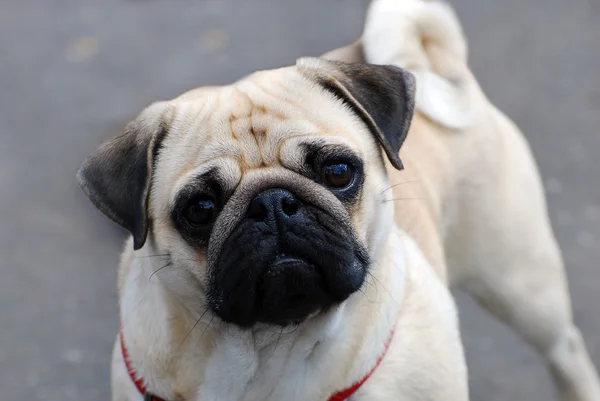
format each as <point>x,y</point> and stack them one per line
<point>501,249</point>
<point>532,298</point>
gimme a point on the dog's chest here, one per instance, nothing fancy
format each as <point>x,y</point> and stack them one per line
<point>283,370</point>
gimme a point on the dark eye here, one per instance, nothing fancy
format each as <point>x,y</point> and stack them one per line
<point>337,175</point>
<point>200,212</point>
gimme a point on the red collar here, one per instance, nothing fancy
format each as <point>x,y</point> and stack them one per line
<point>342,395</point>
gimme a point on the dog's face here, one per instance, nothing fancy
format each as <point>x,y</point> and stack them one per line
<point>265,194</point>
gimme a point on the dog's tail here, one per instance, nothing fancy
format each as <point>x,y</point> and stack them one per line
<point>425,37</point>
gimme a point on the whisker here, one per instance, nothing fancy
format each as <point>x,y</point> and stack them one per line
<point>397,184</point>
<point>159,255</point>
<point>400,199</point>
<point>364,293</point>
<point>379,281</point>
<point>296,327</point>
<point>371,282</point>
<point>192,329</point>
<point>276,343</point>
<point>159,269</point>
<point>274,348</point>
<point>207,326</point>
<point>192,260</point>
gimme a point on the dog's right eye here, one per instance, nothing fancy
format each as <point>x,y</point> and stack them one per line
<point>200,212</point>
<point>337,175</point>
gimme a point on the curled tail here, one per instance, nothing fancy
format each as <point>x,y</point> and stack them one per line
<point>426,38</point>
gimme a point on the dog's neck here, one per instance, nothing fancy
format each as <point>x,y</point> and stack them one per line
<point>183,354</point>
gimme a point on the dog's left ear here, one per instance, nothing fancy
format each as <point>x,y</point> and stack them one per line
<point>118,175</point>
<point>381,95</point>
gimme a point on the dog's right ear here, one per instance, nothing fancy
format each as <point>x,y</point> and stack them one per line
<point>382,96</point>
<point>118,175</point>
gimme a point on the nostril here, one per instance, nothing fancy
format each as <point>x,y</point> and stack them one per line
<point>272,204</point>
<point>257,210</point>
<point>289,205</point>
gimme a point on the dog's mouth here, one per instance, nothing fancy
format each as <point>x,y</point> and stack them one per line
<point>283,261</point>
<point>289,291</point>
<point>284,292</point>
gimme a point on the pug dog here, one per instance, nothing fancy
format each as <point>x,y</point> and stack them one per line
<point>294,234</point>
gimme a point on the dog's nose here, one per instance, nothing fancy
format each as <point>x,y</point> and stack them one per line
<point>273,204</point>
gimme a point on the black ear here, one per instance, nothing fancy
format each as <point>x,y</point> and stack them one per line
<point>381,95</point>
<point>117,176</point>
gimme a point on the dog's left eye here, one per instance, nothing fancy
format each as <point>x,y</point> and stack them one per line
<point>200,212</point>
<point>337,175</point>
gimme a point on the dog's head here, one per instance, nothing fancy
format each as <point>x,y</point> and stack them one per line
<point>264,194</point>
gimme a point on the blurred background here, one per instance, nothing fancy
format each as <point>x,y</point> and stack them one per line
<point>73,72</point>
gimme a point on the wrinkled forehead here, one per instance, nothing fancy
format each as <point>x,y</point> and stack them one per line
<point>269,119</point>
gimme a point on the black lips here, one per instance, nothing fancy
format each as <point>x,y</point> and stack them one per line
<point>284,261</point>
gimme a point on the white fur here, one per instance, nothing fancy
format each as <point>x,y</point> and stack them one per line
<point>486,194</point>
<point>445,91</point>
<point>260,364</point>
<point>488,225</point>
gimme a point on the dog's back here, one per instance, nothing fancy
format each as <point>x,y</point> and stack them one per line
<point>426,38</point>
<point>471,194</point>
<point>458,140</point>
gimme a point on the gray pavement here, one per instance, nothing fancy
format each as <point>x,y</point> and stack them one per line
<point>71,73</point>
